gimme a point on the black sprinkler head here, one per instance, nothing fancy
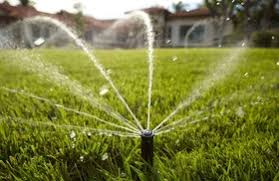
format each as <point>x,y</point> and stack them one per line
<point>147,133</point>
<point>147,146</point>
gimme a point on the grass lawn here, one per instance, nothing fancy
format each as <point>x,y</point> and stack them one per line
<point>236,137</point>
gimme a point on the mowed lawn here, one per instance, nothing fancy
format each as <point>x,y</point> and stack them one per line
<point>235,137</point>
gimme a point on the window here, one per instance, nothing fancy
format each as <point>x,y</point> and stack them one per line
<point>183,31</point>
<point>197,35</point>
<point>154,20</point>
<point>169,32</point>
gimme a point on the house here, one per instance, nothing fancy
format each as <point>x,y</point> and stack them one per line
<point>188,28</point>
<point>12,29</point>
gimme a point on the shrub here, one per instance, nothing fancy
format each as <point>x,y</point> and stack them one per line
<point>265,39</point>
<point>233,39</point>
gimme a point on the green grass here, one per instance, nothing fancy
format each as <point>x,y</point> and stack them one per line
<point>225,145</point>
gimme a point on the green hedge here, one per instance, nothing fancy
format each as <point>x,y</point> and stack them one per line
<point>265,39</point>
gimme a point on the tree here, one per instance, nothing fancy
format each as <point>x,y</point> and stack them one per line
<point>25,2</point>
<point>222,11</point>
<point>179,7</point>
<point>79,20</point>
<point>256,15</point>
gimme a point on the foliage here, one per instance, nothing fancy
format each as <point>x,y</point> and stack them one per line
<point>265,39</point>
<point>79,23</point>
<point>256,15</point>
<point>237,140</point>
<point>222,11</point>
<point>79,19</point>
<point>246,15</point>
<point>179,6</point>
<point>26,2</point>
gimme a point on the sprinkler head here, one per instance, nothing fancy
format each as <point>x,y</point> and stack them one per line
<point>147,133</point>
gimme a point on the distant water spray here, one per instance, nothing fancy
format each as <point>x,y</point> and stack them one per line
<point>31,62</point>
<point>192,29</point>
<point>6,41</point>
<point>150,42</point>
<point>92,57</point>
<point>222,70</point>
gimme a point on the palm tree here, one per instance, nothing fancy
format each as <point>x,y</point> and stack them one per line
<point>25,2</point>
<point>179,7</point>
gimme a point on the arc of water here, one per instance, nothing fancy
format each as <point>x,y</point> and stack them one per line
<point>191,30</point>
<point>150,42</point>
<point>179,122</point>
<point>68,109</point>
<point>51,72</point>
<point>176,126</point>
<point>92,57</point>
<point>72,127</point>
<point>144,17</point>
<point>220,72</point>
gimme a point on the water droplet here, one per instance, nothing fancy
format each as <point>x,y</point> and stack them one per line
<point>259,98</point>
<point>239,112</point>
<point>103,91</point>
<point>72,135</point>
<point>81,158</point>
<point>273,37</point>
<point>73,145</point>
<point>123,174</point>
<point>246,74</point>
<point>243,44</point>
<point>109,71</point>
<point>262,77</point>
<point>174,58</point>
<point>228,19</point>
<point>168,41</point>
<point>277,63</point>
<point>39,42</point>
<point>89,134</point>
<point>105,157</point>
<point>220,46</point>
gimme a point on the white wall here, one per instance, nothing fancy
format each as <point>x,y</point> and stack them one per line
<point>175,25</point>
<point>210,34</point>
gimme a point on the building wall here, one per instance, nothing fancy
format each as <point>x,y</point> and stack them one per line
<point>207,38</point>
<point>159,24</point>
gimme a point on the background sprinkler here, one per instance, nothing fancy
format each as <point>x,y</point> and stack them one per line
<point>147,147</point>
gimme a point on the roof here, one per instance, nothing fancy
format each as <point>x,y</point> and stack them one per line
<point>201,12</point>
<point>152,10</point>
<point>155,10</point>
<point>20,12</point>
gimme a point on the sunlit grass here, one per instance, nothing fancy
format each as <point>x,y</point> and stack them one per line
<point>236,139</point>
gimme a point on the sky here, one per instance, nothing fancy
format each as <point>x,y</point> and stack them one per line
<point>103,9</point>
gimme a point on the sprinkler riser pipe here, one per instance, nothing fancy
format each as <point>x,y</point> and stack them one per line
<point>147,147</point>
